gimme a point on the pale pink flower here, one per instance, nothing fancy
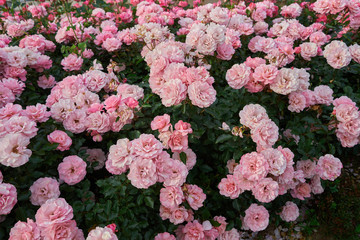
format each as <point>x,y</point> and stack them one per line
<point>176,216</point>
<point>232,234</point>
<point>252,114</point>
<point>146,146</point>
<point>164,236</point>
<point>315,184</point>
<point>201,94</point>
<point>75,121</point>
<point>355,52</point>
<point>96,156</point>
<point>53,211</point>
<point>265,134</point>
<point>171,197</point>
<point>13,148</point>
<point>25,230</point>
<point>98,121</point>
<point>112,44</point>
<point>173,172</point>
<point>119,158</point>
<point>253,166</point>
<point>230,165</point>
<point>297,102</point>
<point>225,51</point>
<point>256,218</point>
<point>290,212</point>
<point>72,62</point>
<point>61,138</point>
<point>307,166</point>
<point>178,142</point>
<point>44,189</point>
<point>238,75</point>
<point>286,81</point>
<point>142,173</point>
<point>66,230</point>
<point>183,127</point>
<point>229,187</point>
<point>95,80</point>
<point>323,94</point>
<point>266,190</point>
<point>194,196</point>
<point>8,198</point>
<point>337,54</point>
<point>206,45</point>
<point>277,161</point>
<point>37,113</point>
<point>265,74</point>
<point>223,223</point>
<point>193,231</point>
<point>329,167</point>
<point>100,233</point>
<point>173,92</point>
<point>21,124</point>
<point>301,191</point>
<point>161,123</point>
<point>72,170</point>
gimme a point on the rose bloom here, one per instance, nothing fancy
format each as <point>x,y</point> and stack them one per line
<point>161,123</point>
<point>37,113</point>
<point>13,150</point>
<point>72,170</point>
<point>252,115</point>
<point>308,50</point>
<point>337,54</point>
<point>178,142</point>
<point>65,230</point>
<point>119,157</point>
<point>194,196</point>
<point>315,184</point>
<point>297,102</point>
<point>25,230</point>
<point>266,190</point>
<point>100,233</point>
<point>346,112</point>
<point>329,167</point>
<point>201,94</point>
<point>53,211</point>
<point>164,236</point>
<point>277,161</point>
<point>238,75</point>
<point>142,173</point>
<point>301,191</point>
<point>228,187</point>
<point>171,197</point>
<point>60,137</point>
<point>206,45</point>
<point>232,234</point>
<point>230,165</point>
<point>44,189</point>
<point>265,74</point>
<point>72,62</point>
<point>8,198</point>
<point>323,94</point>
<point>183,127</point>
<point>307,166</point>
<point>256,218</point>
<point>173,92</point>
<point>190,158</point>
<point>253,166</point>
<point>193,231</point>
<point>355,52</point>
<point>95,80</point>
<point>290,212</point>
<point>146,146</point>
<point>173,172</point>
<point>222,221</point>
<point>265,134</point>
<point>286,81</point>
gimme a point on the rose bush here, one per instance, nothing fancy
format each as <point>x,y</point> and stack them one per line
<point>161,120</point>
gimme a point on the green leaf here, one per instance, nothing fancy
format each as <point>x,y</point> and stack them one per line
<point>223,138</point>
<point>149,202</point>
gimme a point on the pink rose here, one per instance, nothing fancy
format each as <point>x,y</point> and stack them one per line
<point>161,123</point>
<point>60,137</point>
<point>297,102</point>
<point>307,166</point>
<point>66,230</point>
<point>44,189</point>
<point>225,51</point>
<point>323,94</point>
<point>194,196</point>
<point>301,191</point>
<point>142,173</point>
<point>308,50</point>
<point>96,156</point>
<point>173,172</point>
<point>100,233</point>
<point>173,92</point>
<point>183,127</point>
<point>95,80</point>
<point>8,198</point>
<point>290,212</point>
<point>265,134</point>
<point>171,197</point>
<point>72,169</point>
<point>276,159</point>
<point>238,76</point>
<point>53,211</point>
<point>337,54</point>
<point>72,62</point>
<point>146,146</point>
<point>190,158</point>
<point>266,190</point>
<point>164,236</point>
<point>253,166</point>
<point>201,94</point>
<point>233,234</point>
<point>329,167</point>
<point>14,150</point>
<point>256,218</point>
<point>37,113</point>
<point>25,230</point>
<point>193,231</point>
<point>112,103</point>
<point>178,142</point>
<point>229,187</point>
<point>265,74</point>
<point>119,158</point>
<point>252,114</point>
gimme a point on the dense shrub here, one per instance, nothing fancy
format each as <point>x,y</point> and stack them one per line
<point>148,119</point>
